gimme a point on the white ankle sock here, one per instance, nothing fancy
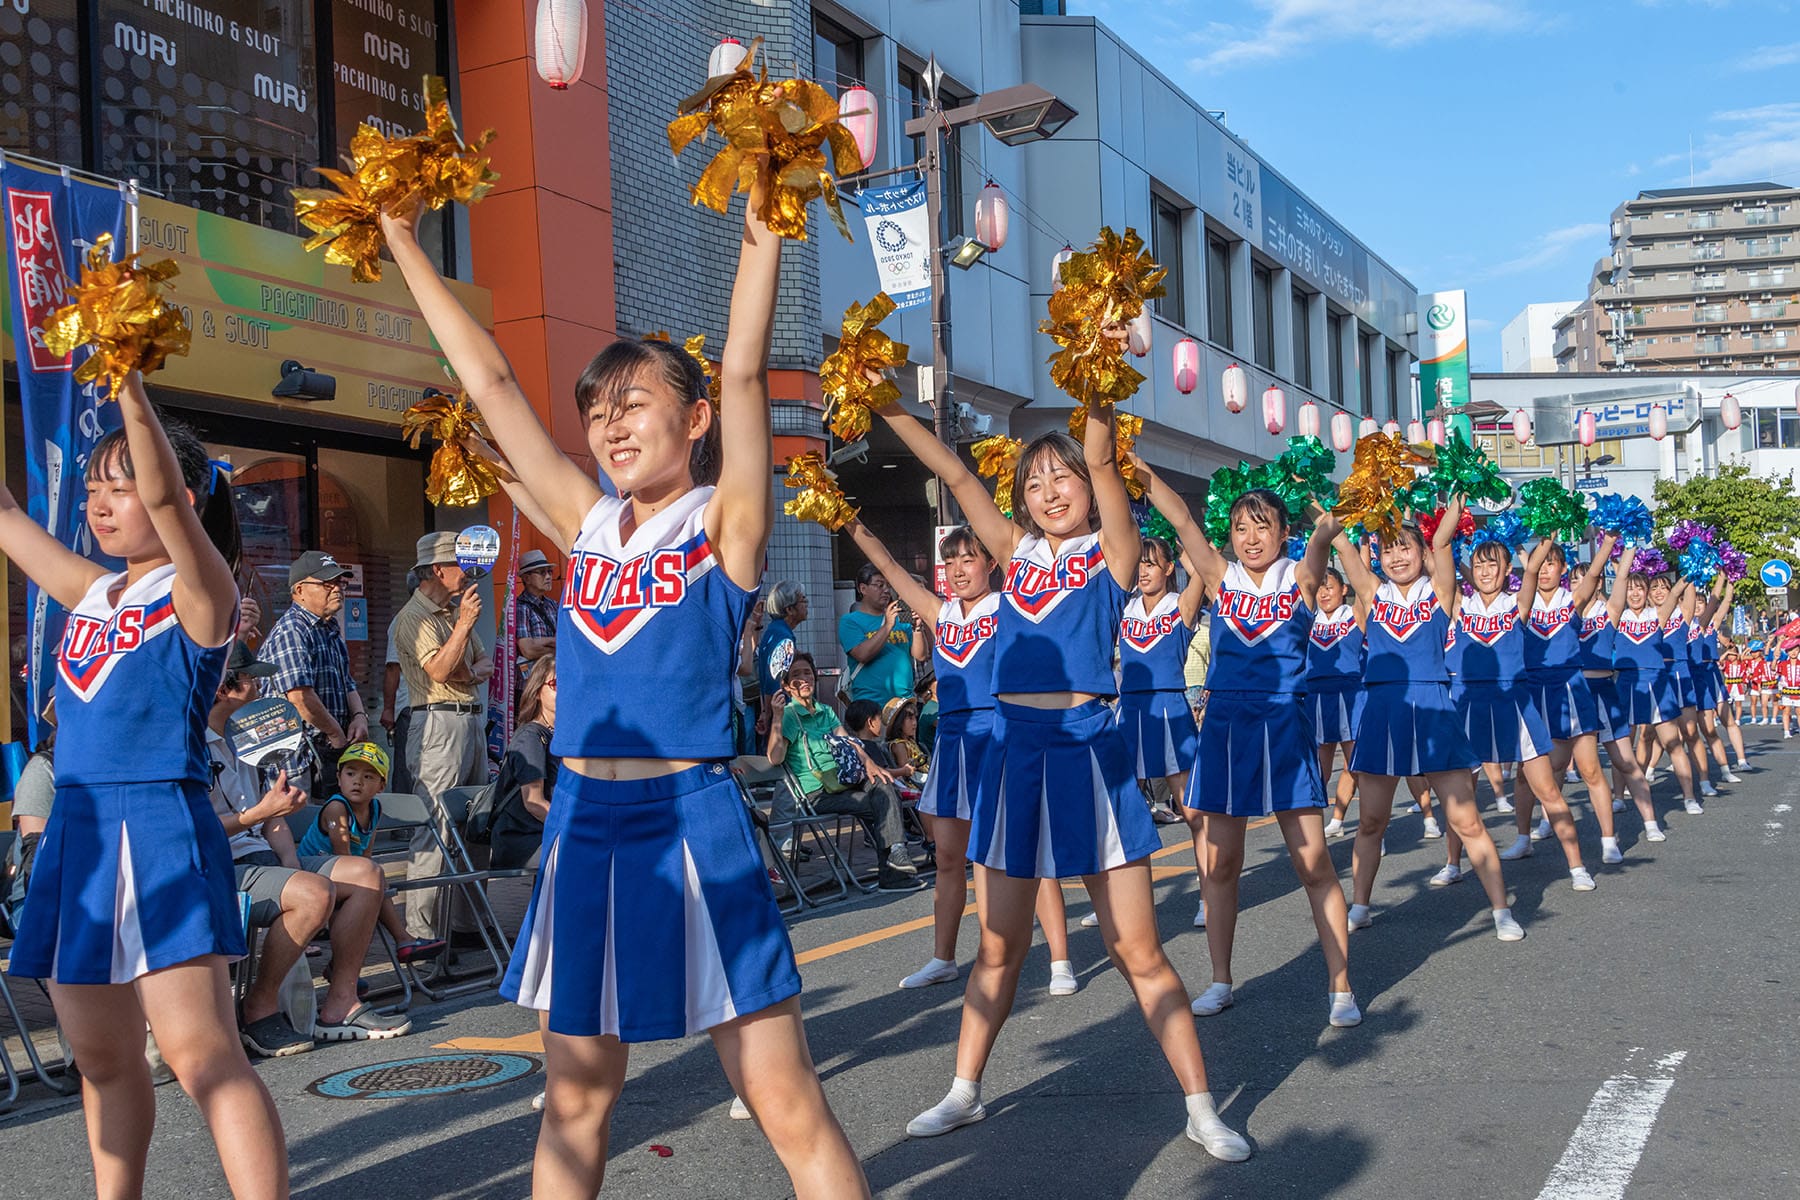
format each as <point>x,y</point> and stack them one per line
<point>1220,1140</point>
<point>966,1092</point>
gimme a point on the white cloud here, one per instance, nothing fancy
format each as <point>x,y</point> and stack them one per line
<point>1750,145</point>
<point>1288,26</point>
<point>1769,57</point>
<point>1548,248</point>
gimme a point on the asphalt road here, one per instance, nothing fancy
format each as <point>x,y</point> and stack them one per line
<point>1657,1012</point>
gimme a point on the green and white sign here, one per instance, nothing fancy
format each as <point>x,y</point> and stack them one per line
<point>1444,351</point>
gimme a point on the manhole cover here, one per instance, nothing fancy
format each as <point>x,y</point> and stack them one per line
<point>430,1076</point>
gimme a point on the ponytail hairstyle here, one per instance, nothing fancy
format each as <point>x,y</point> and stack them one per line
<point>209,483</point>
<point>603,385</point>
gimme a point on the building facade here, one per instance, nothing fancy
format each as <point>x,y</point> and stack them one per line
<point>1528,341</point>
<point>1699,279</point>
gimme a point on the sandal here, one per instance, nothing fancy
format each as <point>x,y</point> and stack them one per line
<point>362,1024</point>
<point>420,949</point>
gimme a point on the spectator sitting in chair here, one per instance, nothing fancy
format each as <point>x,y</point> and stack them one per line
<point>293,897</point>
<point>527,774</point>
<point>346,828</point>
<point>900,726</point>
<point>799,736</point>
<point>863,720</point>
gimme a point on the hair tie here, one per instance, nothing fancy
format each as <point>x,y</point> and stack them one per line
<point>221,471</point>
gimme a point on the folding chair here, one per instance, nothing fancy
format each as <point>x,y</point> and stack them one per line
<point>57,1076</point>
<point>761,833</point>
<point>841,864</point>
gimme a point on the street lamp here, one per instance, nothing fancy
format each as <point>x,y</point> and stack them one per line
<point>1014,115</point>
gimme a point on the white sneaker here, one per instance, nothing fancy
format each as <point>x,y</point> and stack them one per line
<point>1359,917</point>
<point>931,973</point>
<point>1200,916</point>
<point>1432,828</point>
<point>739,1110</point>
<point>1650,775</point>
<point>1740,765</point>
<point>1611,855</point>
<point>1655,835</point>
<point>1580,880</point>
<point>1062,979</point>
<point>1618,805</point>
<point>1384,847</point>
<point>1707,789</point>
<point>1730,776</point>
<point>537,1102</point>
<point>1503,805</point>
<point>1521,848</point>
<point>1541,830</point>
<point>947,1114</point>
<point>1507,929</point>
<point>1219,1140</point>
<point>1091,920</point>
<point>1214,1000</point>
<point>1693,807</point>
<point>1344,1012</point>
<point>1334,828</point>
<point>1414,807</point>
<point>1786,734</point>
<point>1571,776</point>
<point>1448,874</point>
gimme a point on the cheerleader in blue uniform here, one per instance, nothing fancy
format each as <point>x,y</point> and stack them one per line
<point>1154,636</point>
<point>1409,726</point>
<point>1334,691</point>
<point>132,914</point>
<point>1703,667</point>
<point>652,916</point>
<point>1058,796</point>
<point>1500,716</point>
<point>1646,680</point>
<point>962,655</point>
<point>1257,753</point>
<point>1679,628</point>
<point>1594,653</point>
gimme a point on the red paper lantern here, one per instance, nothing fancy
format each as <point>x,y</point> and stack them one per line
<point>726,57</point>
<point>1521,426</point>
<point>1274,406</point>
<point>1434,432</point>
<point>1307,420</point>
<point>1236,384</point>
<point>562,28</point>
<point>1659,422</point>
<point>1343,432</point>
<point>1585,428</point>
<point>856,108</point>
<point>1138,332</point>
<point>1187,366</point>
<point>1730,411</point>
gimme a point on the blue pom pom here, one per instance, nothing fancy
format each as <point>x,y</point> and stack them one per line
<point>1699,562</point>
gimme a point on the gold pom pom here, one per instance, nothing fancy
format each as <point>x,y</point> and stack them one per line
<point>850,375</point>
<point>458,476</point>
<point>118,308</point>
<point>820,498</point>
<point>997,458</point>
<point>1103,288</point>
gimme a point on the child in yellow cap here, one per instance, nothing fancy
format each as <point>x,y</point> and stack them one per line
<point>346,826</point>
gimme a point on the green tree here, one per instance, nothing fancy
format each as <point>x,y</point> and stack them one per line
<point>1760,516</point>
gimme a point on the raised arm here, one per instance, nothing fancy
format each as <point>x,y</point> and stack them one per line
<point>916,595</point>
<point>1713,602</point>
<point>1363,583</point>
<point>1442,559</point>
<point>205,592</point>
<point>1677,594</point>
<point>1193,594</point>
<point>563,490</point>
<point>1533,561</point>
<point>1120,540</point>
<point>1204,555</point>
<point>1590,583</point>
<point>996,531</point>
<point>63,574</point>
<point>1615,599</point>
<point>742,511</point>
<point>518,493</point>
<point>1310,571</point>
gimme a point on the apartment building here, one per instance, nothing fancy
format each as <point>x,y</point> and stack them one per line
<point>1699,279</point>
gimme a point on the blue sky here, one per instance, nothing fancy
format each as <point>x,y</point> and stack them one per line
<point>1484,143</point>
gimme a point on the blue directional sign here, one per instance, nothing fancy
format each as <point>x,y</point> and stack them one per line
<point>1776,573</point>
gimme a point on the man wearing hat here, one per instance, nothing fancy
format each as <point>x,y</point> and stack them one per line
<point>312,663</point>
<point>443,663</point>
<point>535,609</point>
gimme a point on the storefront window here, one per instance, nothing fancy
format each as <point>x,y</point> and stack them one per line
<point>40,80</point>
<point>371,513</point>
<point>274,517</point>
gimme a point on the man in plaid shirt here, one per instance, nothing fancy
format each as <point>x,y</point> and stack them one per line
<point>312,663</point>
<point>536,609</point>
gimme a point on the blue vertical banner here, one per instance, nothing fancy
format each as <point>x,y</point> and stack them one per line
<point>51,220</point>
<point>900,237</point>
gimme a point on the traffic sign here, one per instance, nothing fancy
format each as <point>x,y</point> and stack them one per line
<point>1592,483</point>
<point>1776,573</point>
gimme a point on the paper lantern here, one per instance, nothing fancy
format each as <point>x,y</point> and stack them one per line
<point>1584,428</point>
<point>1659,422</point>
<point>1367,427</point>
<point>1056,265</point>
<point>1138,332</point>
<point>726,57</point>
<point>1187,366</point>
<point>562,29</point>
<point>1521,426</point>
<point>1236,383</point>
<point>1307,420</point>
<point>992,216</point>
<point>1730,411</point>
<point>1415,431</point>
<point>1343,432</point>
<point>1274,408</point>
<point>1434,432</point>
<point>1391,428</point>
<point>856,108</point>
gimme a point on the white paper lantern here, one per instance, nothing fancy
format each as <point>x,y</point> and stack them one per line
<point>856,108</point>
<point>992,216</point>
<point>1187,366</point>
<point>1415,431</point>
<point>1367,427</point>
<point>1343,432</point>
<point>1585,428</point>
<point>1730,411</point>
<point>1274,408</point>
<point>562,34</point>
<point>1521,426</point>
<point>1434,432</point>
<point>1391,428</point>
<point>726,57</point>
<point>1659,422</point>
<point>1236,385</point>
<point>1056,265</point>
<point>1138,332</point>
<point>1306,421</point>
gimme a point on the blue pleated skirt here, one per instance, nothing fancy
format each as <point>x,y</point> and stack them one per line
<point>1336,710</point>
<point>1410,729</point>
<point>1709,685</point>
<point>1257,757</point>
<point>1501,721</point>
<point>1566,703</point>
<point>1615,720</point>
<point>652,915</point>
<point>129,878</point>
<point>1058,797</point>
<point>1161,738</point>
<point>1684,685</point>
<point>960,748</point>
<point>1648,697</point>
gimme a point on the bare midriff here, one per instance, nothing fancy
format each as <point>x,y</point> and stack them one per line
<point>617,769</point>
<point>1048,699</point>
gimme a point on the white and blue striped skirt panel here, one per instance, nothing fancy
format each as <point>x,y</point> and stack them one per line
<point>960,748</point>
<point>1566,703</point>
<point>652,915</point>
<point>1648,697</point>
<point>1614,719</point>
<point>1161,738</point>
<point>1684,685</point>
<point>1257,757</point>
<point>1058,797</point>
<point>1501,721</point>
<point>1410,729</point>
<point>129,878</point>
<point>1336,710</point>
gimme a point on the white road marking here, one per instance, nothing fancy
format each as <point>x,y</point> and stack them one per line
<point>1606,1146</point>
<point>1782,808</point>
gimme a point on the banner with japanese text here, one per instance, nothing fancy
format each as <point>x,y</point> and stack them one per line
<point>900,239</point>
